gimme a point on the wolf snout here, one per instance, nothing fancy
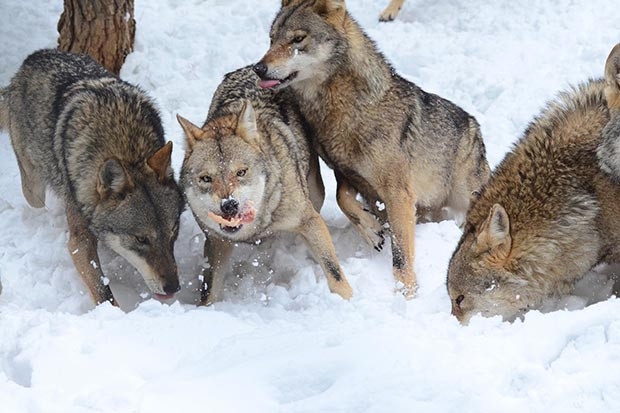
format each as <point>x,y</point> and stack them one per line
<point>230,207</point>
<point>170,288</point>
<point>260,69</point>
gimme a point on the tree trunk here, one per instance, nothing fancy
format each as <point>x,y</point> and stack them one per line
<point>104,29</point>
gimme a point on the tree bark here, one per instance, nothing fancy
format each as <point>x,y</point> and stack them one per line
<point>104,29</point>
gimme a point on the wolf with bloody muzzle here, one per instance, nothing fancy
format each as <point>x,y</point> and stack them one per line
<point>249,173</point>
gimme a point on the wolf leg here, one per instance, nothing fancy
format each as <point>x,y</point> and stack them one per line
<point>401,210</point>
<point>33,187</point>
<point>391,11</point>
<point>366,224</point>
<point>83,250</point>
<point>217,251</point>
<point>316,188</point>
<point>316,235</point>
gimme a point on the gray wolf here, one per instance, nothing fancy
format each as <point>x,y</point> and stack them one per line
<point>391,11</point>
<point>403,149</point>
<point>548,214</point>
<point>249,173</point>
<point>98,143</point>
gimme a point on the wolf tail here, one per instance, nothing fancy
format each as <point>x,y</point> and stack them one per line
<point>4,108</point>
<point>612,79</point>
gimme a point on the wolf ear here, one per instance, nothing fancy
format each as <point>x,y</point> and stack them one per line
<point>246,124</point>
<point>333,10</point>
<point>160,162</point>
<point>192,132</point>
<point>494,236</point>
<point>612,78</point>
<point>113,179</point>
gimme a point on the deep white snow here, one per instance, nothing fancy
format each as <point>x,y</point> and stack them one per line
<point>280,342</point>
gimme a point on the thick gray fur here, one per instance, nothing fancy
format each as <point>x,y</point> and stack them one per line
<point>88,135</point>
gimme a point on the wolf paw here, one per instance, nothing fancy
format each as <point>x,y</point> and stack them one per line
<point>374,234</point>
<point>379,245</point>
<point>374,237</point>
<point>389,13</point>
<point>387,17</point>
<point>343,289</point>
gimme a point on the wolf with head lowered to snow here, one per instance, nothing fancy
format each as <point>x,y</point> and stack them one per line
<point>98,143</point>
<point>385,138</point>
<point>550,211</point>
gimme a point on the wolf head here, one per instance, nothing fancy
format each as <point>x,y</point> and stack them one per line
<point>223,174</point>
<point>481,276</point>
<point>307,42</point>
<point>138,217</point>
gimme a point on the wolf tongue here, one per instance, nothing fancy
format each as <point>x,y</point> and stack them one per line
<point>266,84</point>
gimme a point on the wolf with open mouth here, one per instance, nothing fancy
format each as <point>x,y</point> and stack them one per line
<point>249,173</point>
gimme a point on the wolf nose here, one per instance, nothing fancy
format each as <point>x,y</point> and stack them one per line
<point>171,288</point>
<point>260,69</point>
<point>230,207</point>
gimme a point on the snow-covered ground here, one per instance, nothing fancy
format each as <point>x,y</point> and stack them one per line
<point>280,342</point>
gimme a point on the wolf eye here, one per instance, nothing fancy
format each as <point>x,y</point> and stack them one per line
<point>299,38</point>
<point>142,240</point>
<point>242,172</point>
<point>459,299</point>
<point>206,179</point>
